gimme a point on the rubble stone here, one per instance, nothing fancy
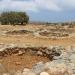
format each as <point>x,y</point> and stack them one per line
<point>44,73</point>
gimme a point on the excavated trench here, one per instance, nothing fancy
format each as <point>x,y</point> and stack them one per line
<point>18,58</point>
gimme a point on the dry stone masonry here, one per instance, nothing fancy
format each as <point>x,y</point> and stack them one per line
<point>39,51</point>
<point>62,60</point>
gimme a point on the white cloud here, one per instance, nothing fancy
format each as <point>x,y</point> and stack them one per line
<point>47,4</point>
<point>68,4</point>
<point>37,5</point>
<point>65,4</point>
<point>17,5</point>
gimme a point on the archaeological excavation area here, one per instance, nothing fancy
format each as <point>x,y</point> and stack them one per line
<point>37,50</point>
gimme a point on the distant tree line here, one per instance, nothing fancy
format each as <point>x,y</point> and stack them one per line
<point>14,18</point>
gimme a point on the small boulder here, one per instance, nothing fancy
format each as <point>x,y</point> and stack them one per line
<point>44,73</point>
<point>20,53</point>
<point>25,71</point>
<point>39,53</point>
<point>38,68</point>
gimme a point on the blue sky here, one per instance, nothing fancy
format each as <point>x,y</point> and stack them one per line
<point>42,10</point>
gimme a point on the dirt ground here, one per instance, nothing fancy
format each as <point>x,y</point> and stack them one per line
<point>15,62</point>
<point>30,39</point>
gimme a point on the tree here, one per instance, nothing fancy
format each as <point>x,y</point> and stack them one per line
<point>14,18</point>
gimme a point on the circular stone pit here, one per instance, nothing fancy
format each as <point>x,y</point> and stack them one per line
<point>53,34</point>
<point>17,58</point>
<point>19,32</point>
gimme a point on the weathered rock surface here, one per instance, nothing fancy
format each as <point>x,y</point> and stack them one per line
<point>38,68</point>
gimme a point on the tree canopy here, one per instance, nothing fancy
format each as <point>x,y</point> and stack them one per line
<point>14,18</point>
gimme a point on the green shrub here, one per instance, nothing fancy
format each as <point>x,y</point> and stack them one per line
<point>14,18</point>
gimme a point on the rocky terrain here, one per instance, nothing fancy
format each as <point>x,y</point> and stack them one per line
<point>37,50</point>
<point>50,60</point>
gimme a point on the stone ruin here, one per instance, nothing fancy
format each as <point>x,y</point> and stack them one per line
<point>47,33</point>
<point>61,60</point>
<point>39,51</point>
<point>55,34</point>
<point>19,32</point>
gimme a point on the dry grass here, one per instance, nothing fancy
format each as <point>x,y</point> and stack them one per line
<point>30,39</point>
